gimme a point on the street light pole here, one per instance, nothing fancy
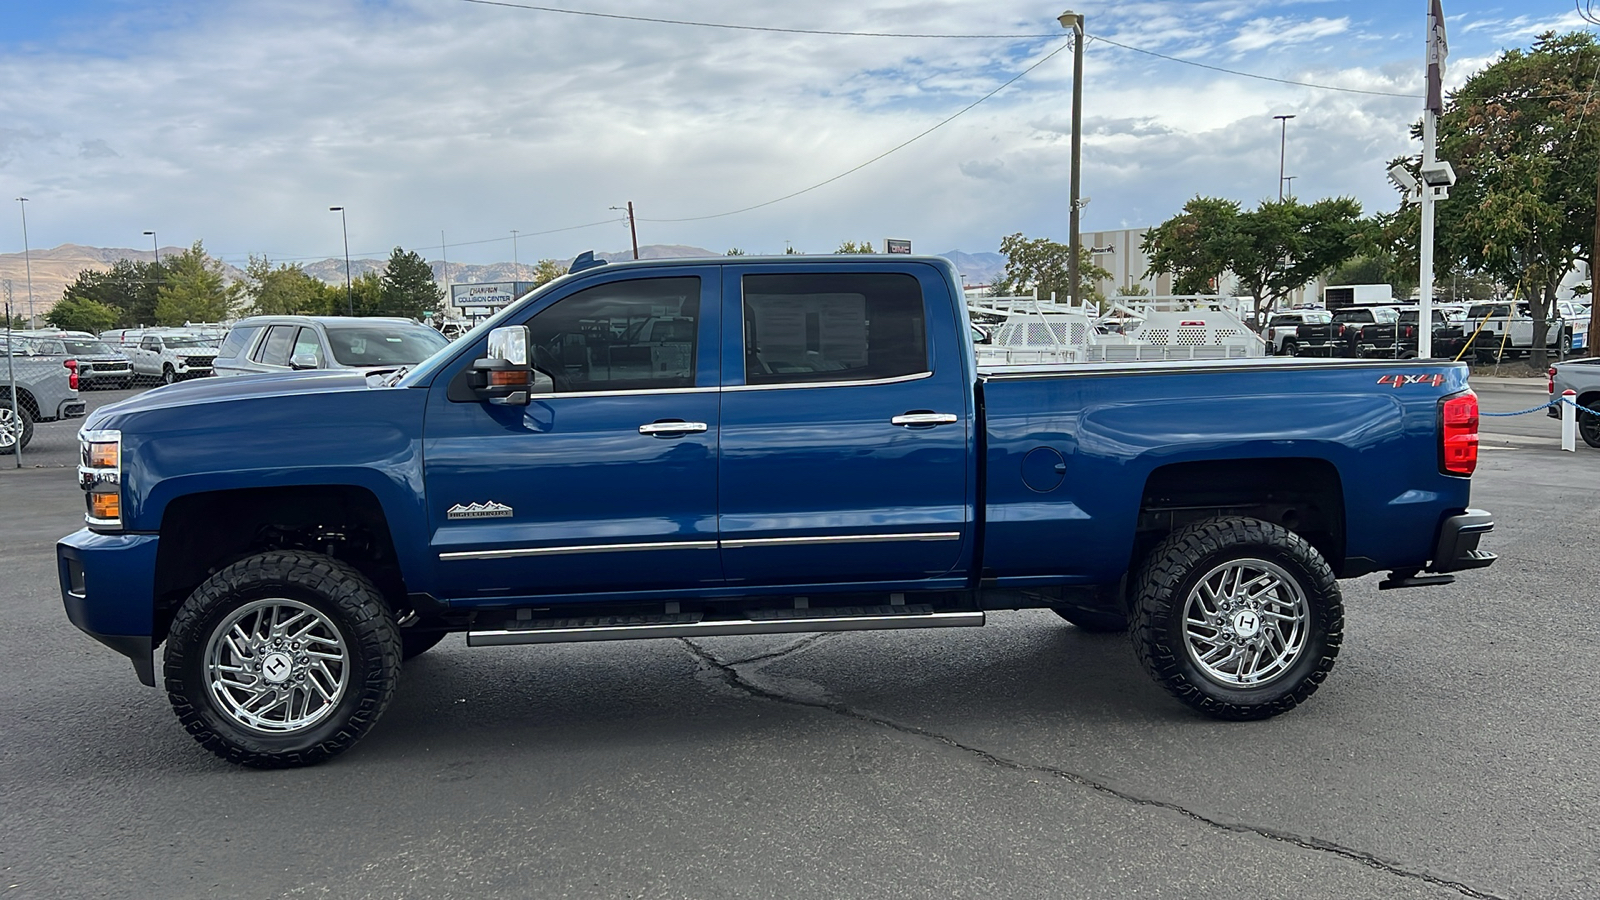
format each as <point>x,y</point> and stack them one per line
<point>1074,21</point>
<point>155,246</point>
<point>1283,143</point>
<point>1289,179</point>
<point>349,295</point>
<point>27,263</point>
<point>516,264</point>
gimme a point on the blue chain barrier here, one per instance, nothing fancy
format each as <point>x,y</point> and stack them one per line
<point>1533,409</point>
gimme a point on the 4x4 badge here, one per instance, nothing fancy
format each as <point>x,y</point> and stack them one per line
<point>486,510</point>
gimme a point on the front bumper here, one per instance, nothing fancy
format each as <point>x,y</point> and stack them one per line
<point>1457,547</point>
<point>108,589</point>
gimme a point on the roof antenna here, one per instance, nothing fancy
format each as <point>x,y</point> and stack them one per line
<point>585,260</point>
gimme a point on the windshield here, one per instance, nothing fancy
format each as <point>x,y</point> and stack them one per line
<point>188,340</point>
<point>85,347</point>
<point>383,345</point>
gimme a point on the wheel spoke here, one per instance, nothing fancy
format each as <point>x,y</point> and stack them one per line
<point>244,693</point>
<point>1244,622</point>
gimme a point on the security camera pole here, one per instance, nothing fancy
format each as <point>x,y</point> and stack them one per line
<point>1434,105</point>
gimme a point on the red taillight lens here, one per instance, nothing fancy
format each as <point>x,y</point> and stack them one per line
<point>1550,382</point>
<point>1458,441</point>
<point>72,379</point>
<point>1410,332</point>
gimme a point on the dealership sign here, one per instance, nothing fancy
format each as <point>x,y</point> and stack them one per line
<point>482,296</point>
<point>895,245</point>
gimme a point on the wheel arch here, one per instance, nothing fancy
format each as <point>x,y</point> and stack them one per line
<point>1303,494</point>
<point>203,532</point>
<point>24,398</point>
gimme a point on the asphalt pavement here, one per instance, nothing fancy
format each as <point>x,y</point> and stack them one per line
<point>1450,754</point>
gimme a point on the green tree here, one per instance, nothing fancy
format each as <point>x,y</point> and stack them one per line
<point>1133,290</point>
<point>734,251</point>
<point>1279,246</point>
<point>1524,137</point>
<point>853,247</point>
<point>128,287</point>
<point>81,314</point>
<point>1040,263</point>
<point>546,271</point>
<point>285,290</point>
<point>195,290</point>
<point>407,287</point>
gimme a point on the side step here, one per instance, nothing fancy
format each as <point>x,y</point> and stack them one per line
<point>779,621</point>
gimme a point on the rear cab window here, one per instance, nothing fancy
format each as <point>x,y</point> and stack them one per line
<point>818,328</point>
<point>238,341</point>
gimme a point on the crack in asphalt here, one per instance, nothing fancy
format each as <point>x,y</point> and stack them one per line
<point>736,680</point>
<point>783,651</point>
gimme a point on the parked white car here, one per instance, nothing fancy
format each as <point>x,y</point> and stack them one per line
<point>171,356</point>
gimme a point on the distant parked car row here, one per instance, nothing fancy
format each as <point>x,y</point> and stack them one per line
<point>1490,331</point>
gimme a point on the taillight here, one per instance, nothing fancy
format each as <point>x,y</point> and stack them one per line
<point>1458,440</point>
<point>72,367</point>
<point>1550,383</point>
<point>1410,332</point>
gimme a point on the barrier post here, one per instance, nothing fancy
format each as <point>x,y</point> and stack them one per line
<point>1569,421</point>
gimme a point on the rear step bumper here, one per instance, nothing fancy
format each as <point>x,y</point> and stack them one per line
<point>783,621</point>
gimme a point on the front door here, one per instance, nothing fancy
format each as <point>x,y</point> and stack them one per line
<point>606,481</point>
<point>845,438</point>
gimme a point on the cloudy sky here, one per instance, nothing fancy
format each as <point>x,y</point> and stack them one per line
<point>239,122</point>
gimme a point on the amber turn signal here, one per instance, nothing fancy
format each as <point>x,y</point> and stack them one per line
<point>105,505</point>
<point>508,378</point>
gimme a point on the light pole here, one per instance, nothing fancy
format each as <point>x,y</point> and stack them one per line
<point>1283,143</point>
<point>516,265</point>
<point>349,296</point>
<point>155,246</point>
<point>27,263</point>
<point>1289,190</point>
<point>1074,21</point>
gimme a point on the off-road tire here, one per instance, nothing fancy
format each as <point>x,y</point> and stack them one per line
<point>1173,571</point>
<point>343,596</point>
<point>14,417</point>
<point>415,642</point>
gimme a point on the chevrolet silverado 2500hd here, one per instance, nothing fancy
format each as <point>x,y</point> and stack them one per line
<point>741,446</point>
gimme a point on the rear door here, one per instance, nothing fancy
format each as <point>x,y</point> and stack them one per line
<point>846,425</point>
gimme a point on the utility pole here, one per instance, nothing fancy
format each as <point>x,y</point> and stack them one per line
<point>1074,21</point>
<point>349,294</point>
<point>631,229</point>
<point>27,263</point>
<point>1283,143</point>
<point>1433,105</point>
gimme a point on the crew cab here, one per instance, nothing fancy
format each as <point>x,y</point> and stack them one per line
<point>677,449</point>
<point>172,355</point>
<point>1504,330</point>
<point>1283,337</point>
<point>1341,334</point>
<point>1400,339</point>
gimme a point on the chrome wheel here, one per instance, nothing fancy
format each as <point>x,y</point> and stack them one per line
<point>276,666</point>
<point>10,427</point>
<point>1245,623</point>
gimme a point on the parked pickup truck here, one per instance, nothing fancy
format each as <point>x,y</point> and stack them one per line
<point>1581,376</point>
<point>47,390</point>
<point>172,356</point>
<point>1341,336</point>
<point>808,447</point>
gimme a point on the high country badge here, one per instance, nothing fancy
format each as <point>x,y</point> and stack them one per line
<point>486,510</point>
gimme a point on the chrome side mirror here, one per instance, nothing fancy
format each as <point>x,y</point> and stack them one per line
<point>303,361</point>
<point>504,376</point>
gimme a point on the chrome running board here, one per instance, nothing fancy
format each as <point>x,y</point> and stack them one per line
<point>785,621</point>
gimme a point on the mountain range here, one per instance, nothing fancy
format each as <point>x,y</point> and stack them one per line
<point>55,268</point>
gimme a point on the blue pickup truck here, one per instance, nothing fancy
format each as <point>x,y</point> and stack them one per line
<point>750,446</point>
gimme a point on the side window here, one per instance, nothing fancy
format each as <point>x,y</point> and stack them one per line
<point>622,336</point>
<point>237,341</point>
<point>151,343</point>
<point>803,328</point>
<point>274,351</point>
<point>307,344</point>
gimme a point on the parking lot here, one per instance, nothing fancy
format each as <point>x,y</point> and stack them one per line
<point>1450,754</point>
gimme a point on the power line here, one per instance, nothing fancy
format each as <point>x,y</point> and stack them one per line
<point>1201,65</point>
<point>732,27</point>
<point>899,146</point>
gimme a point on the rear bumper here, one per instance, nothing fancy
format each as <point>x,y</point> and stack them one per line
<point>107,587</point>
<point>1457,547</point>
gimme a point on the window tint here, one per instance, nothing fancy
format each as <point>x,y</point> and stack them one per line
<point>274,351</point>
<point>627,335</point>
<point>1349,316</point>
<point>306,344</point>
<point>238,340</point>
<point>151,343</point>
<point>810,328</point>
<point>87,347</point>
<point>381,344</point>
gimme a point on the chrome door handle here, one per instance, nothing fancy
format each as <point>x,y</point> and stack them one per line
<point>910,419</point>
<point>671,428</point>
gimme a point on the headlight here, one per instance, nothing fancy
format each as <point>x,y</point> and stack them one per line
<point>100,475</point>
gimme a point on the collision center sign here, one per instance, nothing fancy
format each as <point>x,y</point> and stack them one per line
<point>482,296</point>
